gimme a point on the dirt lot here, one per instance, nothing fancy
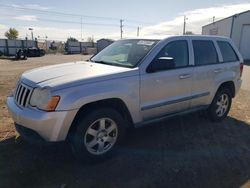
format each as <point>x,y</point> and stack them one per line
<point>10,71</point>
<point>188,151</point>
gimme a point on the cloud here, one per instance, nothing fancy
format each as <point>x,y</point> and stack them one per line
<point>53,33</point>
<point>3,27</point>
<point>195,20</point>
<point>62,33</point>
<point>31,6</point>
<point>26,18</point>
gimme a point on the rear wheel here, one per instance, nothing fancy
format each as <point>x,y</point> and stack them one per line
<point>97,134</point>
<point>221,105</point>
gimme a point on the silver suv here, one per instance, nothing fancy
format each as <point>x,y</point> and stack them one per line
<point>130,83</point>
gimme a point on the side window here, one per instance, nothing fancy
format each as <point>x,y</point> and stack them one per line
<point>178,50</point>
<point>227,52</point>
<point>204,52</point>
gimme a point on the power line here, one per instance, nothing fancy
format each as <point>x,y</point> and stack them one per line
<point>54,12</point>
<point>81,16</point>
<point>74,22</point>
<point>67,21</point>
<point>69,14</point>
<point>140,22</point>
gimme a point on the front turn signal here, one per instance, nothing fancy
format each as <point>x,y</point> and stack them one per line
<point>52,104</point>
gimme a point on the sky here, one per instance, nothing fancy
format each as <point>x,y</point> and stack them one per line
<point>101,19</point>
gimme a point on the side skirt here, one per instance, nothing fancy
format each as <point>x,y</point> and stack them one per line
<point>167,116</point>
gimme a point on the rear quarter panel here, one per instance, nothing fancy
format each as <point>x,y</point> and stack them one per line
<point>231,70</point>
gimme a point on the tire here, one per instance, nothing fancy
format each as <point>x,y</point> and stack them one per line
<point>97,135</point>
<point>220,105</point>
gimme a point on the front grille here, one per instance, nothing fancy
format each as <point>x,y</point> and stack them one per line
<point>22,95</point>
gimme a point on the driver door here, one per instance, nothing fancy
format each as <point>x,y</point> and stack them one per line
<point>167,91</point>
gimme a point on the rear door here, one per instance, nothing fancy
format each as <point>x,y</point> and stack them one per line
<point>207,68</point>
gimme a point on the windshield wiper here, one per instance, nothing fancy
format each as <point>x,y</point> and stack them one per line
<point>110,63</point>
<point>104,62</point>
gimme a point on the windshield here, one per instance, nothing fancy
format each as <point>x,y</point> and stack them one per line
<point>126,53</point>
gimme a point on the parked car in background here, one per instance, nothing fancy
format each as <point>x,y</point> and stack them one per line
<point>35,52</point>
<point>130,83</point>
<point>30,52</point>
<point>21,55</point>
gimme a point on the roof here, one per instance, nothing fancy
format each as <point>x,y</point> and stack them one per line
<point>138,38</point>
<point>197,37</point>
<point>235,15</point>
<point>185,37</point>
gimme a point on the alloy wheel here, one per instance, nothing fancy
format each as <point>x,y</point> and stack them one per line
<point>101,136</point>
<point>222,105</point>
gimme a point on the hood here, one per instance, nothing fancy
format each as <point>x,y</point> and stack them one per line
<point>74,73</point>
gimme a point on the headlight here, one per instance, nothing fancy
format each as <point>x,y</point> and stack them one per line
<point>42,99</point>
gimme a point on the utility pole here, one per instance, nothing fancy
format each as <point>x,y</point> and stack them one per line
<point>46,37</point>
<point>121,26</point>
<point>81,28</point>
<point>31,29</point>
<point>138,31</point>
<point>184,25</point>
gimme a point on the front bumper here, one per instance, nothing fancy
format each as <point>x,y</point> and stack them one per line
<point>29,134</point>
<point>50,126</point>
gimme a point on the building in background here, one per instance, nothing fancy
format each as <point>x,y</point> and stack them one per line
<point>236,27</point>
<point>75,47</point>
<point>103,43</point>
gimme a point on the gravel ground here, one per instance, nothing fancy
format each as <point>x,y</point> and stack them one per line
<point>246,77</point>
<point>188,151</point>
<point>11,70</point>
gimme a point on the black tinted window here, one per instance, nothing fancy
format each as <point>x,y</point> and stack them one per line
<point>204,52</point>
<point>178,50</point>
<point>227,52</point>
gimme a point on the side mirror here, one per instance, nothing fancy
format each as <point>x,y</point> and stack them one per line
<point>160,64</point>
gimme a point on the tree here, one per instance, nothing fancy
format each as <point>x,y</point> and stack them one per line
<point>12,33</point>
<point>90,39</point>
<point>72,39</point>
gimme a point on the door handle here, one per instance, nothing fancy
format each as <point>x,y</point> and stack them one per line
<point>184,76</point>
<point>217,70</point>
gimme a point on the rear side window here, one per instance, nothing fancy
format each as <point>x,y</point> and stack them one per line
<point>204,52</point>
<point>227,52</point>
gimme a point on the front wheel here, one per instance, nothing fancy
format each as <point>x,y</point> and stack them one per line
<point>97,134</point>
<point>221,105</point>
